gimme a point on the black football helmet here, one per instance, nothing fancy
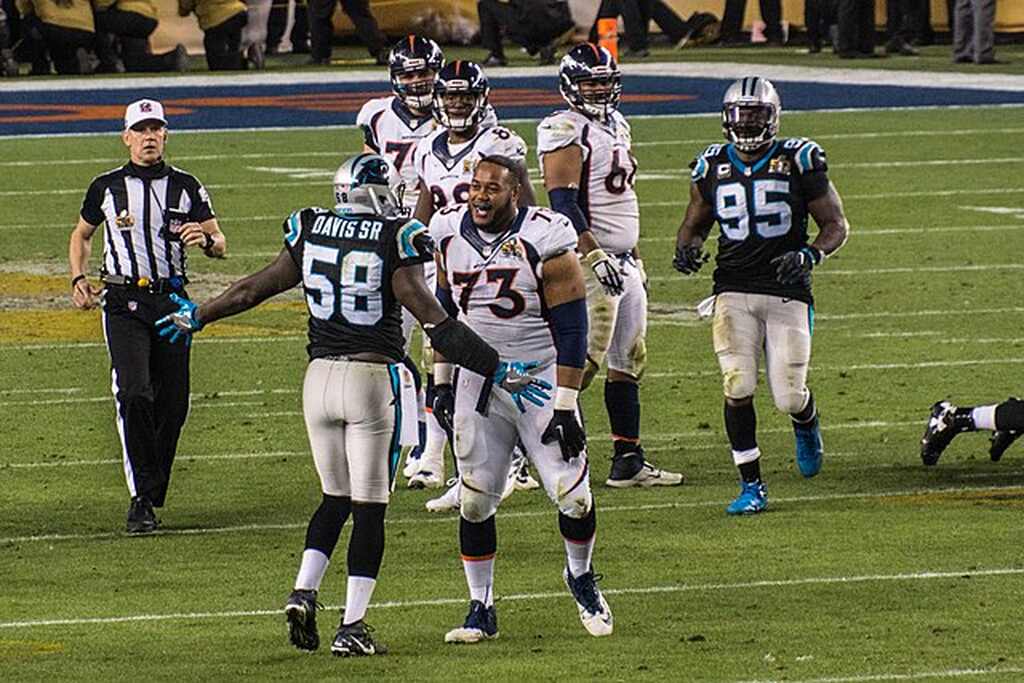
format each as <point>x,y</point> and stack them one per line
<point>461,78</point>
<point>414,54</point>
<point>594,64</point>
<point>750,113</point>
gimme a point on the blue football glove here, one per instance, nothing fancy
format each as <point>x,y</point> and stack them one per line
<point>794,267</point>
<point>515,378</point>
<point>182,323</point>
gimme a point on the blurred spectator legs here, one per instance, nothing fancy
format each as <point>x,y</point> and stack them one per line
<point>732,21</point>
<point>819,16</point>
<point>856,19</point>
<point>254,36</point>
<point>278,22</point>
<point>132,30</point>
<point>974,31</point>
<point>900,23</point>
<point>223,44</point>
<point>8,67</point>
<point>321,30</point>
<point>637,16</point>
<point>493,16</point>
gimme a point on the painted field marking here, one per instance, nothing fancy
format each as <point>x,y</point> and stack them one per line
<point>65,390</point>
<point>642,590</point>
<point>525,514</point>
<point>870,678</point>
<point>118,461</point>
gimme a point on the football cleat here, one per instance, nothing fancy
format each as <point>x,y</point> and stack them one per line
<point>354,640</point>
<point>809,449</point>
<point>938,433</point>
<point>481,624</point>
<point>412,462</point>
<point>300,611</point>
<point>521,479</point>
<point>1000,441</point>
<point>141,518</point>
<point>632,469</point>
<point>753,499</point>
<point>426,479</point>
<point>594,611</point>
<point>447,501</point>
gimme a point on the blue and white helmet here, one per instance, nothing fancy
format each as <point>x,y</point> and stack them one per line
<point>461,77</point>
<point>750,113</point>
<point>410,55</point>
<point>590,63</point>
<point>368,184</point>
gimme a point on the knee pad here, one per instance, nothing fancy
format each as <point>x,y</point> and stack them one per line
<point>476,506</point>
<point>577,503</point>
<point>790,401</point>
<point>738,383</point>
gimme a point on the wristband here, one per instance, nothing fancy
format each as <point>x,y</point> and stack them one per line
<point>76,279</point>
<point>816,255</point>
<point>208,243</point>
<point>594,256</point>
<point>443,372</point>
<point>565,398</point>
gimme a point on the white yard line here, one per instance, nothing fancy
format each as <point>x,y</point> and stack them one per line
<point>870,678</point>
<point>66,390</point>
<point>441,519</point>
<point>118,461</point>
<point>977,267</point>
<point>560,595</point>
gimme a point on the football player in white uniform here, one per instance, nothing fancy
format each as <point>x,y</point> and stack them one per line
<point>444,166</point>
<point>392,126</point>
<point>518,283</point>
<point>589,172</point>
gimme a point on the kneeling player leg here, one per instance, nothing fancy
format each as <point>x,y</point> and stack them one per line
<point>365,552</point>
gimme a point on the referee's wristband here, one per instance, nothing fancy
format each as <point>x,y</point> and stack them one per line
<point>76,279</point>
<point>208,242</point>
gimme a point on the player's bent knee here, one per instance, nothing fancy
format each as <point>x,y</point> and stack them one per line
<point>791,401</point>
<point>738,384</point>
<point>476,506</point>
<point>576,504</point>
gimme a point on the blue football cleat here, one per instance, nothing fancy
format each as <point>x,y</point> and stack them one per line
<point>809,448</point>
<point>753,499</point>
<point>481,624</point>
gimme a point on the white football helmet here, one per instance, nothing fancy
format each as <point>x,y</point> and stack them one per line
<point>368,184</point>
<point>750,113</point>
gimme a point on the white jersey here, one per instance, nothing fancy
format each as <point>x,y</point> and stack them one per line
<point>607,194</point>
<point>496,279</point>
<point>446,168</point>
<point>393,131</point>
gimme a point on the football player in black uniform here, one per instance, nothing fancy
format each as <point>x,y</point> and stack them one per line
<point>358,263</point>
<point>1005,420</point>
<point>761,190</point>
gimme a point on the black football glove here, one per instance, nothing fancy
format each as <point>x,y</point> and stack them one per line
<point>566,430</point>
<point>444,406</point>
<point>689,259</point>
<point>794,267</point>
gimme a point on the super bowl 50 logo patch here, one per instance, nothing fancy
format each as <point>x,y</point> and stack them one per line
<point>511,250</point>
<point>779,165</point>
<point>124,220</point>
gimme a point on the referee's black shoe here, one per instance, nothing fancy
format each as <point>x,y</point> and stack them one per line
<point>141,518</point>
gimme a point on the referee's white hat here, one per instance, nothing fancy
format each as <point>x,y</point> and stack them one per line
<point>143,110</point>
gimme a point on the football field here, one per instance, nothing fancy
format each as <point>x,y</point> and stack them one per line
<point>877,569</point>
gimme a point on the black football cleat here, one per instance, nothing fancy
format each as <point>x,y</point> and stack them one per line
<point>300,611</point>
<point>938,433</point>
<point>141,518</point>
<point>1000,441</point>
<point>354,640</point>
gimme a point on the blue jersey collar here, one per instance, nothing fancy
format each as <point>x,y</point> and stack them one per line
<point>758,165</point>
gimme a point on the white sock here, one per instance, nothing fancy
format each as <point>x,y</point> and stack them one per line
<point>421,405</point>
<point>984,417</point>
<point>311,570</point>
<point>579,556</point>
<point>480,577</point>
<point>357,597</point>
<point>436,439</point>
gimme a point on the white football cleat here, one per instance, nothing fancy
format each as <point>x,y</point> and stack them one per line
<point>595,614</point>
<point>412,462</point>
<point>449,500</point>
<point>430,474</point>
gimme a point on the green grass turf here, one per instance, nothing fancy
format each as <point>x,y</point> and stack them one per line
<point>877,567</point>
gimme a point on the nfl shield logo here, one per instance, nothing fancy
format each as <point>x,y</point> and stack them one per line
<point>146,108</point>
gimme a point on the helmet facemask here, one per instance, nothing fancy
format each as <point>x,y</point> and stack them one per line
<point>599,101</point>
<point>469,110</point>
<point>750,126</point>
<point>417,94</point>
<point>367,184</point>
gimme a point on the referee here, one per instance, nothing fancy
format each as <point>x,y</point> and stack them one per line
<point>153,214</point>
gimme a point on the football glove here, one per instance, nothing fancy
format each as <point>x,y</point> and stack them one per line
<point>606,270</point>
<point>689,259</point>
<point>444,406</point>
<point>515,378</point>
<point>794,267</point>
<point>182,323</point>
<point>566,430</point>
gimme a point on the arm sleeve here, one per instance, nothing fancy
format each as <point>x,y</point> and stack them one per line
<point>92,205</point>
<point>812,170</point>
<point>568,324</point>
<point>565,200</point>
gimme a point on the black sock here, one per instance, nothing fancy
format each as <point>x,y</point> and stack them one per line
<point>366,547</point>
<point>741,426</point>
<point>1010,415</point>
<point>326,523</point>
<point>580,530</point>
<point>478,539</point>
<point>807,414</point>
<point>963,419</point>
<point>751,471</point>
<point>622,400</point>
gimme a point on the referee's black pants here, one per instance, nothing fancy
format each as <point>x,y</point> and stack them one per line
<point>150,381</point>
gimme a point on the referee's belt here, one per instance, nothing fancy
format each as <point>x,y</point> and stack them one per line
<point>153,286</point>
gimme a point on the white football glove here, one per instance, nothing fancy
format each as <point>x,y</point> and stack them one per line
<point>606,270</point>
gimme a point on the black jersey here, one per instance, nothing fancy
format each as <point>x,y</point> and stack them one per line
<point>347,263</point>
<point>761,211</point>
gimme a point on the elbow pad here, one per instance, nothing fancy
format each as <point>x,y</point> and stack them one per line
<point>565,200</point>
<point>463,346</point>
<point>568,323</point>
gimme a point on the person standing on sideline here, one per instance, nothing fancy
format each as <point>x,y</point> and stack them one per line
<point>358,264</point>
<point>153,214</point>
<point>974,37</point>
<point>321,30</point>
<point>761,191</point>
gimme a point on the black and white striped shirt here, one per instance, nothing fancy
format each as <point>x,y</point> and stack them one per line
<point>136,203</point>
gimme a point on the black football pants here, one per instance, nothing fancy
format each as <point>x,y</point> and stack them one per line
<point>150,381</point>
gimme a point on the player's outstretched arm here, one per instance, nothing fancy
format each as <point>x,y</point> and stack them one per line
<point>282,274</point>
<point>694,229</point>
